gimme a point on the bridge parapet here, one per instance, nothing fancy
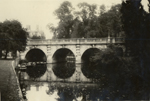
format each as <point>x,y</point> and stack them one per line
<point>37,41</point>
<point>76,41</point>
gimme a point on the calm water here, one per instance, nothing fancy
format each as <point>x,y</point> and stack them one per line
<point>64,82</point>
<point>56,91</point>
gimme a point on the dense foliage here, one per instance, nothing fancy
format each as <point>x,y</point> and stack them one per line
<point>127,78</point>
<point>13,37</point>
<point>87,21</point>
<point>37,37</point>
<point>136,26</point>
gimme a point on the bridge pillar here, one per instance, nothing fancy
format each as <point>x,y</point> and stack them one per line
<point>49,59</point>
<point>22,56</point>
<point>78,55</point>
<point>78,59</point>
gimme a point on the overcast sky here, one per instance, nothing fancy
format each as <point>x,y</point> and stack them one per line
<point>40,12</point>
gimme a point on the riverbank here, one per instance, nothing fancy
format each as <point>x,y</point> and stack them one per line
<point>9,86</point>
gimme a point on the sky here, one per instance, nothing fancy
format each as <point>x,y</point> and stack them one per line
<point>41,12</point>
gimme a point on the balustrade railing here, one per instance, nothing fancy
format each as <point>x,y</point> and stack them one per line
<point>76,41</point>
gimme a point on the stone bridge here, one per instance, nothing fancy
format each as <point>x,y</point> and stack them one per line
<point>54,50</point>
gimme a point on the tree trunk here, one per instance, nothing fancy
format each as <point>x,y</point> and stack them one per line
<point>0,54</point>
<point>14,54</point>
<point>6,54</point>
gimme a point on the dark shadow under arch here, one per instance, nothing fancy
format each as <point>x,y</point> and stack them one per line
<point>36,55</point>
<point>88,67</point>
<point>87,55</point>
<point>36,71</point>
<point>63,55</point>
<point>63,63</point>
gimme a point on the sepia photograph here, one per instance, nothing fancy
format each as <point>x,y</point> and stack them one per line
<point>74,50</point>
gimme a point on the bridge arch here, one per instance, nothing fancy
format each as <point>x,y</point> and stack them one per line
<point>88,67</point>
<point>88,53</point>
<point>35,55</point>
<point>60,55</point>
<point>64,63</point>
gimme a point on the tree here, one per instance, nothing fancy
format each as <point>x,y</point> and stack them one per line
<point>110,22</point>
<point>64,14</point>
<point>136,26</point>
<point>87,21</point>
<point>13,36</point>
<point>41,36</point>
<point>53,30</point>
<point>119,74</point>
<point>102,9</point>
<point>36,37</point>
<point>89,25</point>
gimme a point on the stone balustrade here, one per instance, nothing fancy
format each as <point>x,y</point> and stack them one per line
<point>76,41</point>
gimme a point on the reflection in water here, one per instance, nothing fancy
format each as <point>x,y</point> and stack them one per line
<point>110,87</point>
<point>42,91</point>
<point>64,70</point>
<point>36,70</point>
<point>90,70</point>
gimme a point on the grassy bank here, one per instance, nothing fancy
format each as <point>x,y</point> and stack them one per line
<point>8,82</point>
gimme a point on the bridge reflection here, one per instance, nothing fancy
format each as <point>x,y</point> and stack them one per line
<point>64,70</point>
<point>36,71</point>
<point>68,72</point>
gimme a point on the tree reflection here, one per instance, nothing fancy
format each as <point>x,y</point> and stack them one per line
<point>90,70</point>
<point>81,92</point>
<point>65,94</point>
<point>51,89</point>
<point>77,92</point>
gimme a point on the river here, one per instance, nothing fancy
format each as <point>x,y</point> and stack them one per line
<point>63,82</point>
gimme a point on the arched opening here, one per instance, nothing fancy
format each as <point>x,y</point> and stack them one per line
<point>35,55</point>
<point>88,54</point>
<point>88,67</point>
<point>63,63</point>
<point>36,59</point>
<point>63,55</point>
